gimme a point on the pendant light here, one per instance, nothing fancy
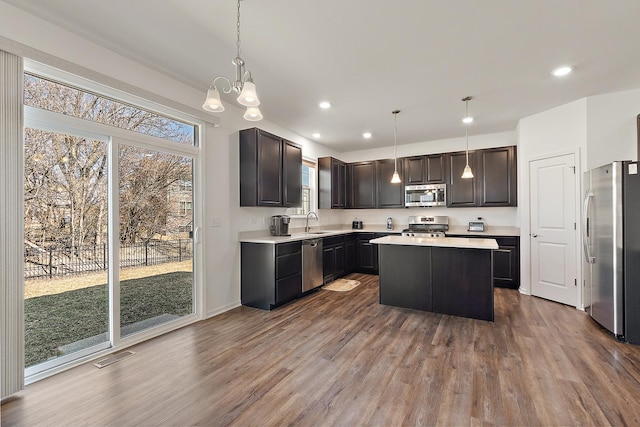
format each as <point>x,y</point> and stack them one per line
<point>395,179</point>
<point>467,173</point>
<point>243,85</point>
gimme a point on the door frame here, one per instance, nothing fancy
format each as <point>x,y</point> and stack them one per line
<point>525,238</point>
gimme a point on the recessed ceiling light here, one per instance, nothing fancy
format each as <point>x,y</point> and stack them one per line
<point>561,71</point>
<point>316,135</point>
<point>467,120</point>
<point>325,105</point>
<point>366,135</point>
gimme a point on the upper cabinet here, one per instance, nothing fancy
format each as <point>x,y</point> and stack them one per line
<point>497,179</point>
<point>332,183</point>
<point>270,170</point>
<point>363,184</point>
<point>494,182</point>
<point>368,184</point>
<point>427,169</point>
<point>461,192</point>
<point>389,195</point>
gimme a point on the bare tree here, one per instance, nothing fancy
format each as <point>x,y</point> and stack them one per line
<point>66,176</point>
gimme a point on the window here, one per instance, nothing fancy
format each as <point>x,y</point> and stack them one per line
<point>185,208</point>
<point>308,190</point>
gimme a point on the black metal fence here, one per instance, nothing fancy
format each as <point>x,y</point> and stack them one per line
<point>41,263</point>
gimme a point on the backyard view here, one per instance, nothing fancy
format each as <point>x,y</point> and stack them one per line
<point>69,249</point>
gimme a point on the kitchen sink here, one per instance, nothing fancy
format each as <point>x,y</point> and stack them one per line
<point>316,232</point>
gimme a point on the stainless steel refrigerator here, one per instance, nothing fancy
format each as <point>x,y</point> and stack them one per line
<point>611,239</point>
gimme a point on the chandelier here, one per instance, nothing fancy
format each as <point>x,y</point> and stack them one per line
<point>243,86</point>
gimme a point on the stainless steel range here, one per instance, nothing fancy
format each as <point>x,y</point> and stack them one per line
<point>427,226</point>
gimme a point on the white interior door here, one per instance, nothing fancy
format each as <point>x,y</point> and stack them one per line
<point>554,269</point>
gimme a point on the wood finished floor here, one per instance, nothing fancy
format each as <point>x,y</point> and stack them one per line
<point>337,358</point>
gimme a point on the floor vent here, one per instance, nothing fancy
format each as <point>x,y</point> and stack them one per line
<point>113,358</point>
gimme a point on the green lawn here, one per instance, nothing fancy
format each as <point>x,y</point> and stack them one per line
<point>55,320</point>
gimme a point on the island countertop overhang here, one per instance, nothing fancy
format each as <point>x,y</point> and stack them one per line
<point>443,242</point>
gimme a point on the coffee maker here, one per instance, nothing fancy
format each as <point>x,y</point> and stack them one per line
<point>279,225</point>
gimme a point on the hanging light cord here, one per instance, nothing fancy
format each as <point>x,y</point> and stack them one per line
<point>466,126</point>
<point>395,140</point>
<point>238,32</point>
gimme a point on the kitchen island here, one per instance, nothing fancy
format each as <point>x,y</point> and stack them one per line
<point>445,275</point>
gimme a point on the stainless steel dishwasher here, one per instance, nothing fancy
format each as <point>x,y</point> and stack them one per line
<point>311,264</point>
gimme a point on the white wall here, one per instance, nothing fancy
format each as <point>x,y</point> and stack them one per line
<point>612,127</point>
<point>557,131</point>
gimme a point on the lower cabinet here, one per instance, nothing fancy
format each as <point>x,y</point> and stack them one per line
<point>506,260</point>
<point>270,274</point>
<point>333,258</point>
<point>366,254</point>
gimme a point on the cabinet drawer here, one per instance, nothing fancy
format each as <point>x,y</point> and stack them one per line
<point>365,237</point>
<point>506,241</point>
<point>288,248</point>
<point>287,265</point>
<point>288,288</point>
<point>332,241</point>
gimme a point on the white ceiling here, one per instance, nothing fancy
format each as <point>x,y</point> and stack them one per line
<point>369,57</point>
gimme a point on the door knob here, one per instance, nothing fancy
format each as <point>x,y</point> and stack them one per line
<point>534,235</point>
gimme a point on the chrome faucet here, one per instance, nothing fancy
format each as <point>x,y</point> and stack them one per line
<point>306,226</point>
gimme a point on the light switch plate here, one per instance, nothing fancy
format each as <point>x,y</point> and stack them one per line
<point>633,169</point>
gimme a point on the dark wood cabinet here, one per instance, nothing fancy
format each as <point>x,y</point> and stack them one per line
<point>270,170</point>
<point>506,259</point>
<point>435,170</point>
<point>506,263</point>
<point>333,258</point>
<point>428,169</point>
<point>497,176</point>
<point>407,270</point>
<point>292,169</point>
<point>367,254</point>
<point>363,184</point>
<point>350,260</point>
<point>414,170</point>
<point>270,275</point>
<point>461,192</point>
<point>332,183</point>
<point>389,195</point>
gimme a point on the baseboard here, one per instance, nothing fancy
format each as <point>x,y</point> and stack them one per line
<point>220,310</point>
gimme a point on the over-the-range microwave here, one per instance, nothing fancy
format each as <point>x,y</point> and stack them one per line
<point>425,195</point>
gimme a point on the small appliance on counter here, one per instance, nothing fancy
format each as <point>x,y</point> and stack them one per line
<point>476,225</point>
<point>279,225</point>
<point>356,224</point>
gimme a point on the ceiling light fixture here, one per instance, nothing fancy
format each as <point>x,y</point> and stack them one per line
<point>316,135</point>
<point>243,86</point>
<point>366,135</point>
<point>395,179</point>
<point>467,173</point>
<point>325,105</point>
<point>561,71</point>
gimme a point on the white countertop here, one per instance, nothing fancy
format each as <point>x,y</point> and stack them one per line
<point>315,233</point>
<point>489,230</point>
<point>263,236</point>
<point>443,242</point>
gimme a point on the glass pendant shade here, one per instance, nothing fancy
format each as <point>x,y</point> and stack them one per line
<point>249,97</point>
<point>213,103</point>
<point>395,179</point>
<point>467,173</point>
<point>253,114</point>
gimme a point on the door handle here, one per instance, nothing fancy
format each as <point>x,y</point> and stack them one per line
<point>585,228</point>
<point>534,235</point>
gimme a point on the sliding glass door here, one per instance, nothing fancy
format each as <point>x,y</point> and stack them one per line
<point>109,222</point>
<point>65,252</point>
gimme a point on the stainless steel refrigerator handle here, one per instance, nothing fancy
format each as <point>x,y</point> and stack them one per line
<point>585,227</point>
